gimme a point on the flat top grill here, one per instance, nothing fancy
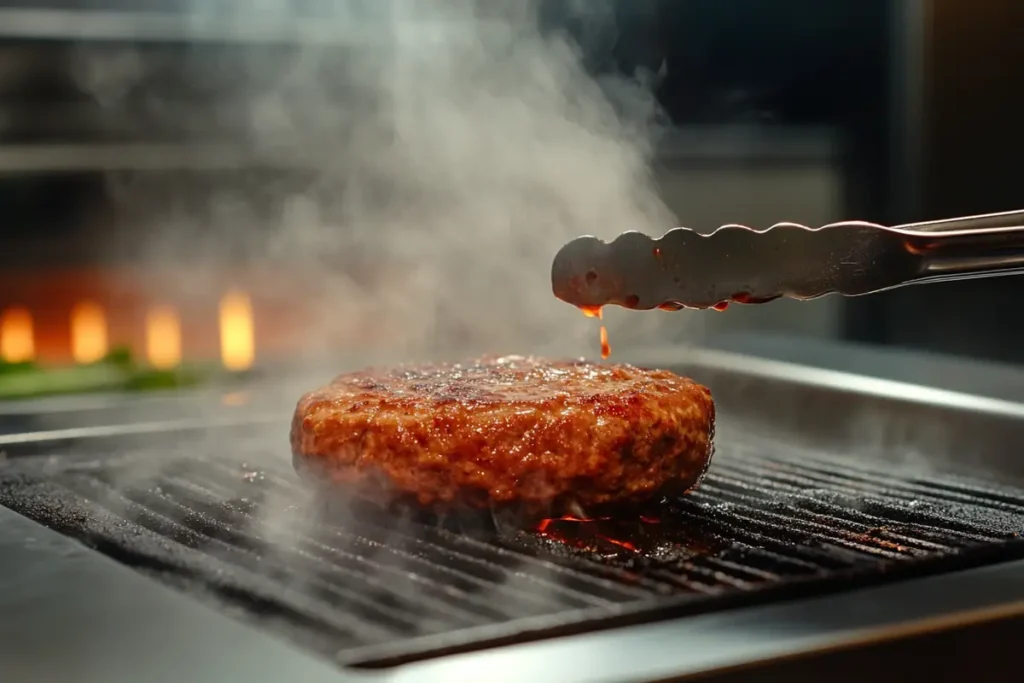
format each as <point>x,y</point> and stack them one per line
<point>370,589</point>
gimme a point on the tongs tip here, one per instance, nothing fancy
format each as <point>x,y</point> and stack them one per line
<point>581,274</point>
<point>574,273</point>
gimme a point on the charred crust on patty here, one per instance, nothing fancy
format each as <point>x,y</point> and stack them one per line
<point>544,437</point>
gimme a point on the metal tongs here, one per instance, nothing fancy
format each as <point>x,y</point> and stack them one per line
<point>686,269</point>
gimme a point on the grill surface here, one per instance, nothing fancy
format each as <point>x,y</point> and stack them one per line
<point>372,590</point>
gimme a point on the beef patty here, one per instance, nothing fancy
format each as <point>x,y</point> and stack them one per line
<point>544,435</point>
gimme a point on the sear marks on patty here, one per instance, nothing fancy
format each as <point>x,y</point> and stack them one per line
<point>545,436</point>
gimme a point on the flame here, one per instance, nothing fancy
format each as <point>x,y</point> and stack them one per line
<point>543,525</point>
<point>587,533</point>
<point>163,337</point>
<point>237,339</point>
<point>88,332</point>
<point>17,341</point>
<point>614,541</point>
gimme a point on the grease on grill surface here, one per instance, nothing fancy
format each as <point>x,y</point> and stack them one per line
<point>374,590</point>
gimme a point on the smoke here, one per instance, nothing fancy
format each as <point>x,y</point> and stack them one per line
<point>442,151</point>
<point>404,176</point>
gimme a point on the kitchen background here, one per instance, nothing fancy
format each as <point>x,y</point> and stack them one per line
<point>116,117</point>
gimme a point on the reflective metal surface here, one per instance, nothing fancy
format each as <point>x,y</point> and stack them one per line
<point>67,613</point>
<point>738,264</point>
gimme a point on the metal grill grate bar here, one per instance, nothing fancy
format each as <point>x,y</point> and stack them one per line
<point>154,517</point>
<point>442,548</point>
<point>443,572</point>
<point>853,479</point>
<point>813,504</point>
<point>858,493</point>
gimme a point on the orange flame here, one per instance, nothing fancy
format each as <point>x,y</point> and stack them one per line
<point>88,332</point>
<point>163,337</point>
<point>614,541</point>
<point>543,525</point>
<point>237,337</point>
<point>583,532</point>
<point>17,340</point>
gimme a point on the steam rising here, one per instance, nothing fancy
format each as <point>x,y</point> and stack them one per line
<point>438,158</point>
<point>445,153</point>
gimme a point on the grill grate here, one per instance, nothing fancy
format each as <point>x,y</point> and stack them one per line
<point>371,589</point>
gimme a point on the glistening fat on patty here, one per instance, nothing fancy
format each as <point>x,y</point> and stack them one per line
<point>523,431</point>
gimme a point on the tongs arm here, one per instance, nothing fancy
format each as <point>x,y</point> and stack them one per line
<point>969,247</point>
<point>739,264</point>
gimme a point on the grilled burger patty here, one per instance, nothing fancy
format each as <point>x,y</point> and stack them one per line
<point>547,436</point>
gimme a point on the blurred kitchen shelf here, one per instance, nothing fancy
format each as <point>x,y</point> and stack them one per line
<point>150,26</point>
<point>680,147</point>
<point>77,158</point>
<point>350,25</point>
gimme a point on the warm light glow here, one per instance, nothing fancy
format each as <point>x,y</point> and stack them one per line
<point>17,343</point>
<point>163,338</point>
<point>88,332</point>
<point>237,340</point>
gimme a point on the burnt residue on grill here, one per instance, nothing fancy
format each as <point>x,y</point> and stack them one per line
<point>374,589</point>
